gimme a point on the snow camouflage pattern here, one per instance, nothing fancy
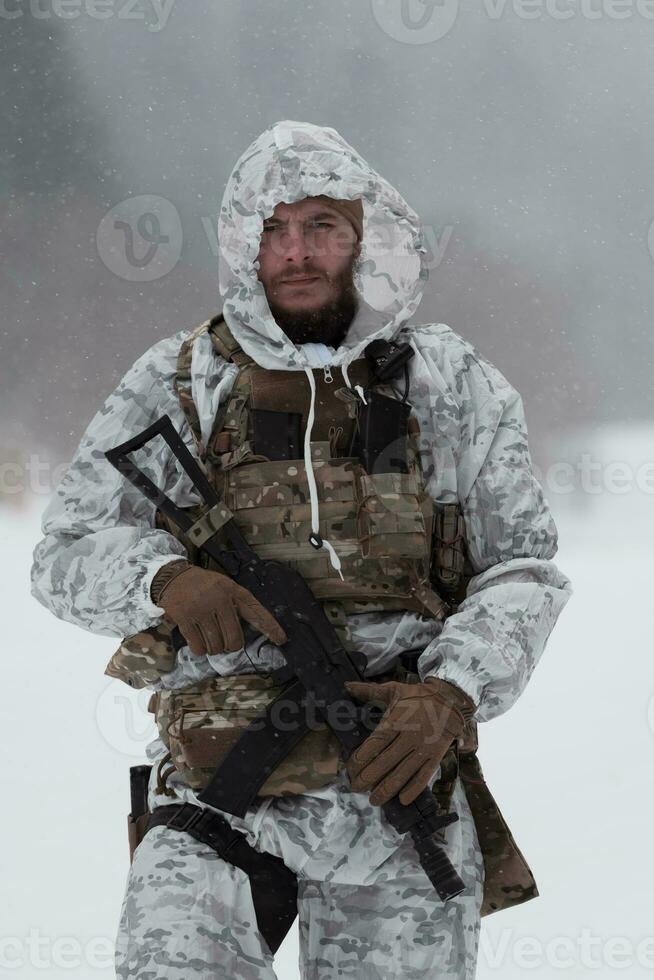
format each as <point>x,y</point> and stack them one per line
<point>366,909</point>
<point>101,549</point>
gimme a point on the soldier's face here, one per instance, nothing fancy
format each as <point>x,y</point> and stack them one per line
<point>306,260</point>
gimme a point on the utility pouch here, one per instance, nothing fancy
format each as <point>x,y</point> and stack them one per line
<point>449,568</point>
<point>142,658</point>
<point>391,520</point>
<point>137,820</point>
<point>199,724</point>
<point>381,440</point>
<point>276,434</point>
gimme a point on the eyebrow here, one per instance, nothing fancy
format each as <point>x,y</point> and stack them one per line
<point>312,214</point>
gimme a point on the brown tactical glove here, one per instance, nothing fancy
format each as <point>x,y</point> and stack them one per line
<point>405,749</point>
<point>206,606</point>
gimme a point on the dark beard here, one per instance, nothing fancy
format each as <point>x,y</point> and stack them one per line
<point>327,325</point>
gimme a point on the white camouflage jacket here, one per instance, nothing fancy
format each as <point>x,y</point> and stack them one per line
<point>100,548</point>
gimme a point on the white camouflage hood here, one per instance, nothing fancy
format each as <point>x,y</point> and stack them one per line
<point>102,547</point>
<point>290,161</point>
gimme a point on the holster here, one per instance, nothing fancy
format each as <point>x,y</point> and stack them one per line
<point>136,829</point>
<point>273,885</point>
<point>137,820</point>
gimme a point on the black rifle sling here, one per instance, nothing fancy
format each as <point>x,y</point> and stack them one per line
<point>260,749</point>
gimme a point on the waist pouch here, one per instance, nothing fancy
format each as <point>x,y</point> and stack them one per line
<point>200,724</point>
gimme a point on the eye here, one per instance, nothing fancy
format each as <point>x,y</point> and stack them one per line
<point>312,224</point>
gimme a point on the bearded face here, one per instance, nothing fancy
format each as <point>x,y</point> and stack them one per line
<point>307,260</point>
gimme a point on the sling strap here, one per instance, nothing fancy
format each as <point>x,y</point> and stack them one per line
<point>273,885</point>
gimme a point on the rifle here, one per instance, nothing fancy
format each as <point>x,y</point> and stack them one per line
<point>315,669</point>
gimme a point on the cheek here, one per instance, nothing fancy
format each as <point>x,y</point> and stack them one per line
<point>340,267</point>
<point>266,265</point>
<point>338,257</point>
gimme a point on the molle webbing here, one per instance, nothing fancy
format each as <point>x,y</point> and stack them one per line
<point>381,523</point>
<point>283,391</point>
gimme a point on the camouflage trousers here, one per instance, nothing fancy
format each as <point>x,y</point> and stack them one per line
<point>366,908</point>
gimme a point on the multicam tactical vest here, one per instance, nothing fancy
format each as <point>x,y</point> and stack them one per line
<point>392,544</point>
<point>380,523</point>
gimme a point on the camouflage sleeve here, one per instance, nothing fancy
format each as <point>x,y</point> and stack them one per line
<point>491,645</point>
<point>100,548</point>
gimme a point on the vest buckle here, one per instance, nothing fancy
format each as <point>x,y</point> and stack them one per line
<point>186,817</point>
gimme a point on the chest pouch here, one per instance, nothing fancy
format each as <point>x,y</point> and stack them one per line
<point>382,434</point>
<point>276,435</point>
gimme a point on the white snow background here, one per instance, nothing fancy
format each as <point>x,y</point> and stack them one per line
<point>570,764</point>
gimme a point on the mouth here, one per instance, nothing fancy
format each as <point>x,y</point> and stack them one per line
<point>300,281</point>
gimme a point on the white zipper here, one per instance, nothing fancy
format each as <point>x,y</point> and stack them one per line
<point>327,372</point>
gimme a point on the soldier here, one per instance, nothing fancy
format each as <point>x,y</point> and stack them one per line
<point>429,544</point>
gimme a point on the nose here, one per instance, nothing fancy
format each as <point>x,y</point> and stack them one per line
<point>295,245</point>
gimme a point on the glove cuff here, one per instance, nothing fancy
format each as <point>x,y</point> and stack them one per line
<point>453,695</point>
<point>164,577</point>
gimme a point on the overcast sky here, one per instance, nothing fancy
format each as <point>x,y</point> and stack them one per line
<point>520,134</point>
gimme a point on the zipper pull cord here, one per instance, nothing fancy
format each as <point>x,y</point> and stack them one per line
<point>315,538</point>
<point>357,388</point>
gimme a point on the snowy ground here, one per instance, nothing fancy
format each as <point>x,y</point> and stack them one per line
<point>570,766</point>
